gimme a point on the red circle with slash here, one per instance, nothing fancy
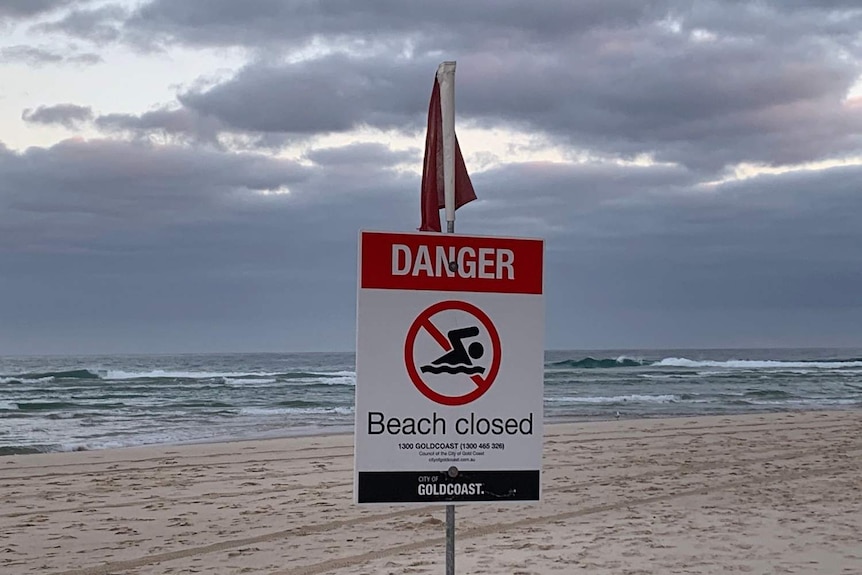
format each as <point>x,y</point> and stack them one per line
<point>423,321</point>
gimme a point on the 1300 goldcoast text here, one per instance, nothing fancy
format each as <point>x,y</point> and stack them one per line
<point>461,446</point>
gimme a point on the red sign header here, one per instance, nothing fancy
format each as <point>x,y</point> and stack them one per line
<point>449,262</point>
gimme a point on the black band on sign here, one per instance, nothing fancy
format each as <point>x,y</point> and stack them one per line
<point>434,486</point>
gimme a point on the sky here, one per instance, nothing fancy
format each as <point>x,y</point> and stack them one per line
<point>192,176</point>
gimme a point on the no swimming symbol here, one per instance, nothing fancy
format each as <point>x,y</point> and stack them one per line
<point>456,358</point>
<point>459,359</point>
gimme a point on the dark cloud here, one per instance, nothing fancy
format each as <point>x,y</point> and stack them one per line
<point>169,240</point>
<point>178,249</point>
<point>361,155</point>
<point>334,94</point>
<point>705,106</point>
<point>13,9</point>
<point>184,124</point>
<point>449,23</point>
<point>68,115</point>
<point>707,85</point>
<point>113,185</point>
<point>164,243</point>
<point>768,261</point>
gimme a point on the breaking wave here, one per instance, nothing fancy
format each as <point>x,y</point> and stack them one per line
<point>758,363</point>
<point>592,363</point>
<point>607,363</point>
<point>49,376</point>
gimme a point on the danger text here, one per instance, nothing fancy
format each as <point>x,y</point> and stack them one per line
<point>465,262</point>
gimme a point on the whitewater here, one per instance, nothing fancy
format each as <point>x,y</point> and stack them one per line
<point>97,402</point>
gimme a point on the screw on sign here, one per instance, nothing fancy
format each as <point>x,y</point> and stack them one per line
<point>457,358</point>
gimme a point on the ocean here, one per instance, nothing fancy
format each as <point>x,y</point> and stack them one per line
<point>93,402</point>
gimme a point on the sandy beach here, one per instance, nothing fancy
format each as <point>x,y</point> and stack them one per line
<point>778,493</point>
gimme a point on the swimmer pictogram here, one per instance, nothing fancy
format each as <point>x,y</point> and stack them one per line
<point>459,360</point>
<point>458,357</point>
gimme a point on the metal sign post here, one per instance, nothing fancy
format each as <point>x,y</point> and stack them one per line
<point>446,72</point>
<point>450,540</point>
<point>450,509</point>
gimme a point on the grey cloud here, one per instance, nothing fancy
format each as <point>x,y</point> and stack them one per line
<point>87,58</point>
<point>169,247</point>
<point>89,188</point>
<point>184,123</point>
<point>333,94</point>
<point>775,249</point>
<point>30,55</point>
<point>479,25</point>
<point>705,106</point>
<point>100,25</point>
<point>14,9</point>
<point>774,19</point>
<point>38,56</point>
<point>483,25</point>
<point>613,77</point>
<point>193,247</point>
<point>361,155</point>
<point>68,115</point>
<point>450,22</point>
<point>86,189</point>
<point>850,5</point>
<point>188,126</point>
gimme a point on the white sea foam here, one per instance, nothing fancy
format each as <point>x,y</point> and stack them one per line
<point>756,364</point>
<point>262,411</point>
<point>317,377</point>
<point>325,379</point>
<point>249,381</point>
<point>201,400</point>
<point>336,377</point>
<point>160,373</point>
<point>615,399</point>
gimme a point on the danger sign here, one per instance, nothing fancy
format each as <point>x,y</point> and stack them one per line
<point>449,368</point>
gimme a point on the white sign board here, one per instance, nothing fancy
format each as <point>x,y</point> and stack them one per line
<point>449,368</point>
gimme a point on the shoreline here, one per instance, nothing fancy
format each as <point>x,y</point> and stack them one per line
<point>348,430</point>
<point>707,494</point>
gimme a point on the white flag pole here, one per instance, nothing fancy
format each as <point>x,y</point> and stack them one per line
<point>446,79</point>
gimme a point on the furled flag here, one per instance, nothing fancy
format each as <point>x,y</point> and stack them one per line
<point>433,198</point>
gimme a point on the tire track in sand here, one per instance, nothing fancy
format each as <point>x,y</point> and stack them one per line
<point>353,560</point>
<point>338,563</point>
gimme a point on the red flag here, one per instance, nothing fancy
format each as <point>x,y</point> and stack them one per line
<point>433,197</point>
